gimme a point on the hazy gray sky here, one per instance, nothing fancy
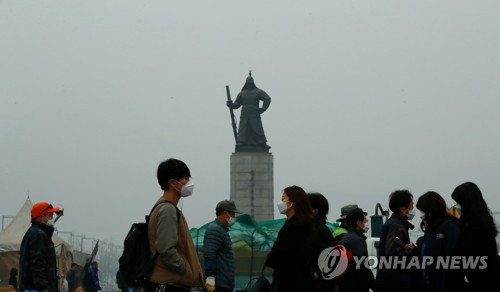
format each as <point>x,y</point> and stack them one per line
<point>367,97</point>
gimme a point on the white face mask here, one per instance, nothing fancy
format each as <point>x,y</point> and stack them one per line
<point>282,207</point>
<point>51,222</point>
<point>187,189</point>
<point>365,227</point>
<point>231,221</point>
<point>411,214</point>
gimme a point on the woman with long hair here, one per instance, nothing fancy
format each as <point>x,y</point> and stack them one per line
<point>477,242</point>
<point>287,257</point>
<point>441,232</point>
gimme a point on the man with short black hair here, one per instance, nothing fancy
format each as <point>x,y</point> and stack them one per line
<point>37,263</point>
<point>319,239</point>
<point>177,267</point>
<point>395,243</point>
<point>219,260</point>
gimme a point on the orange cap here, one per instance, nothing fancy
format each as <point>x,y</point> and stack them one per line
<point>42,208</point>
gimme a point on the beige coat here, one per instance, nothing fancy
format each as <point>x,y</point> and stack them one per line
<point>178,262</point>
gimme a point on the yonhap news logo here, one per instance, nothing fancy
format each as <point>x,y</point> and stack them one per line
<point>421,263</point>
<point>333,262</point>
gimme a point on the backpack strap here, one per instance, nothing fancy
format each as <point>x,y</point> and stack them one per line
<point>162,202</point>
<point>152,209</point>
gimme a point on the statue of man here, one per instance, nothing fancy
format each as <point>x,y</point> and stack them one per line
<point>251,135</point>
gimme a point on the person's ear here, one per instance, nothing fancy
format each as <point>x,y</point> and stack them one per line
<point>173,182</point>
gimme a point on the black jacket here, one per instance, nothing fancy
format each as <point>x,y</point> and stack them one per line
<point>480,246</point>
<point>288,258</point>
<point>37,263</point>
<point>357,279</point>
<point>321,238</point>
<point>406,279</point>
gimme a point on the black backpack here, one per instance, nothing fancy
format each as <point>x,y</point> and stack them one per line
<point>136,263</point>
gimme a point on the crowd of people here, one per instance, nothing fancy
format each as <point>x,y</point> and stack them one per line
<point>299,246</point>
<point>304,236</point>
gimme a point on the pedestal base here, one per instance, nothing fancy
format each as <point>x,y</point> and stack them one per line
<point>252,187</point>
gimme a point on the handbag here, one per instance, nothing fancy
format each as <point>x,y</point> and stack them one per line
<point>260,284</point>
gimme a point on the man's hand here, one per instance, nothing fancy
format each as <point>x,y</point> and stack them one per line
<point>409,247</point>
<point>210,284</point>
<point>229,103</point>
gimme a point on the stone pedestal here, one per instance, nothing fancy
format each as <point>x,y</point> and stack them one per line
<point>252,186</point>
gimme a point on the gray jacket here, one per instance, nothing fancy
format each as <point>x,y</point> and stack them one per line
<point>219,260</point>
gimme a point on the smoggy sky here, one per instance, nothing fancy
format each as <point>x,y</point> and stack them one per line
<point>367,97</point>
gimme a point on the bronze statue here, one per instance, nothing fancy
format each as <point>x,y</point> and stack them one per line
<point>250,136</point>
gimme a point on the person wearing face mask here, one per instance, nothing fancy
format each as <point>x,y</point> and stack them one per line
<point>37,263</point>
<point>441,233</point>
<point>287,256</point>
<point>395,243</point>
<point>218,254</point>
<point>357,279</point>
<point>341,231</point>
<point>177,267</point>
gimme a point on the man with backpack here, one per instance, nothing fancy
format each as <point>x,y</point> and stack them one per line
<point>177,267</point>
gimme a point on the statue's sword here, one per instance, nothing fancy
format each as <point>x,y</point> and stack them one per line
<point>233,120</point>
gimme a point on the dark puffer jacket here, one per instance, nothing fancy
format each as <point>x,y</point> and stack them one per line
<point>37,264</point>
<point>219,260</point>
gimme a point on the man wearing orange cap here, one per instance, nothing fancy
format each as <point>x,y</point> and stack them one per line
<point>37,263</point>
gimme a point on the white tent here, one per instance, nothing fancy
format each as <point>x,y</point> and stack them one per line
<point>10,244</point>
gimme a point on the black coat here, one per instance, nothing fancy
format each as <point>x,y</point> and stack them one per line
<point>288,258</point>
<point>321,238</point>
<point>357,279</point>
<point>403,279</point>
<point>476,243</point>
<point>37,263</point>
